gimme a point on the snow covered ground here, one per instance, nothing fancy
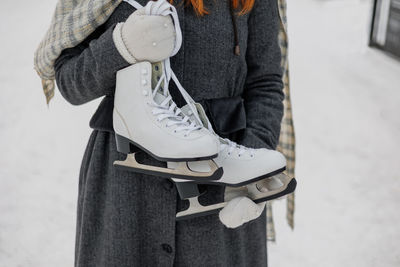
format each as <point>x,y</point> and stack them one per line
<point>346,101</point>
<point>346,107</point>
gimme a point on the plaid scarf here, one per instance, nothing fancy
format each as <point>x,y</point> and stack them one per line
<point>287,137</point>
<point>72,22</point>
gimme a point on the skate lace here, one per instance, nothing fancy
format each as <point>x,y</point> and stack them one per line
<point>232,146</point>
<point>167,109</point>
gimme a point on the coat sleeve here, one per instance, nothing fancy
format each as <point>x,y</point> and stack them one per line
<point>88,71</point>
<point>263,92</point>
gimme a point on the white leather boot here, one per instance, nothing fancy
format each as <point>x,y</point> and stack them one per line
<point>241,165</point>
<point>152,122</point>
<point>147,119</point>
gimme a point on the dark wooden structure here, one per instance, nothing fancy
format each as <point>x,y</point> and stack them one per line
<point>385,27</point>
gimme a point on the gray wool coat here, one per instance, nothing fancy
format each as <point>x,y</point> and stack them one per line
<point>128,219</point>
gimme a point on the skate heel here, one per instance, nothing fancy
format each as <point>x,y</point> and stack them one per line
<point>187,190</point>
<point>124,145</point>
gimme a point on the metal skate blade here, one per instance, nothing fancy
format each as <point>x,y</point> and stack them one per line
<point>197,210</point>
<point>259,194</point>
<point>239,185</point>
<point>181,171</point>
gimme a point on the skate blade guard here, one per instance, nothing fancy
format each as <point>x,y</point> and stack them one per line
<point>197,210</point>
<point>253,191</point>
<point>256,193</point>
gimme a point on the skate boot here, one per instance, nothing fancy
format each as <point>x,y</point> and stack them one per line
<point>147,119</point>
<point>241,165</point>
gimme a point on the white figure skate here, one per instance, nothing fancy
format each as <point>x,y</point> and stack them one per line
<point>241,165</point>
<point>257,173</point>
<point>145,118</point>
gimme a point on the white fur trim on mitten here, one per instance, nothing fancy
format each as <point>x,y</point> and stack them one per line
<point>119,44</point>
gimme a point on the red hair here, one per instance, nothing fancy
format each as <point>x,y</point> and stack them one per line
<point>198,6</point>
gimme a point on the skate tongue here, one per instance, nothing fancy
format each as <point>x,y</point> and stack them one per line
<point>226,143</point>
<point>200,112</point>
<point>159,98</point>
<point>223,141</point>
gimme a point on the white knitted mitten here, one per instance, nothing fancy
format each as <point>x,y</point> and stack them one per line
<point>145,37</point>
<point>239,211</point>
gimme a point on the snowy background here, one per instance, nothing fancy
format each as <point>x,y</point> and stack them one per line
<point>346,100</point>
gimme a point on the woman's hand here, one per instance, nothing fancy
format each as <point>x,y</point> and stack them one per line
<point>145,37</point>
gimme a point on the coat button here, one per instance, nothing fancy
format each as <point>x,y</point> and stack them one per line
<point>167,248</point>
<point>168,185</point>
